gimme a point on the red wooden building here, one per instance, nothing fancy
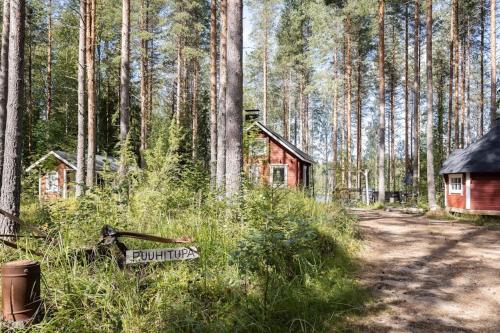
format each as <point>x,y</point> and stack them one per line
<point>273,160</point>
<point>57,171</point>
<point>472,177</point>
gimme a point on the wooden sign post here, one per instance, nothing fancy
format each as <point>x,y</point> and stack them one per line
<point>159,255</point>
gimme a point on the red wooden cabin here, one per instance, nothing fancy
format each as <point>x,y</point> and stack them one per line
<point>275,161</point>
<point>472,177</point>
<point>57,170</point>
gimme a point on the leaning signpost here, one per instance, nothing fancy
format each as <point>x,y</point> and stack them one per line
<point>110,236</point>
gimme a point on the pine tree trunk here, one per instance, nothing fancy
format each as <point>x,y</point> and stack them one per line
<point>286,105</point>
<point>91,94</point>
<point>194,108</point>
<point>481,96</point>
<point>213,94</point>
<point>359,122</point>
<point>80,150</point>
<point>180,81</point>
<point>265,64</point>
<point>493,58</point>
<point>348,81</point>
<point>393,114</point>
<point>452,67</point>
<point>144,81</point>
<point>431,186</point>
<point>457,75</point>
<point>4,69</point>
<point>221,115</point>
<point>407,113</point>
<point>10,195</point>
<point>416,104</point>
<point>234,102</point>
<point>335,122</point>
<point>125,76</point>
<point>49,62</point>
<point>29,98</point>
<point>463,92</point>
<point>381,103</point>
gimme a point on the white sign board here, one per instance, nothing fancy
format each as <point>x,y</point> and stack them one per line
<point>159,255</point>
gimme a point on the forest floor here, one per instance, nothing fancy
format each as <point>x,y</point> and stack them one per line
<point>427,275</point>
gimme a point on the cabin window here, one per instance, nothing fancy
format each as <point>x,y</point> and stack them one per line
<point>456,184</point>
<point>254,173</point>
<point>52,182</point>
<point>279,175</point>
<point>258,147</point>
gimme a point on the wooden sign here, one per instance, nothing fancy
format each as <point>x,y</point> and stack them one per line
<point>159,255</point>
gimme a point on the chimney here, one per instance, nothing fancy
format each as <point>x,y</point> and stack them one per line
<point>252,115</point>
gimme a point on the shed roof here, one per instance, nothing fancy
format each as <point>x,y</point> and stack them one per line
<point>481,156</point>
<point>290,147</point>
<point>101,162</point>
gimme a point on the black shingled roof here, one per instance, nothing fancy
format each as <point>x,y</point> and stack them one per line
<point>481,156</point>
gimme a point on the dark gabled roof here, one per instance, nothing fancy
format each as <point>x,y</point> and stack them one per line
<point>285,143</point>
<point>481,156</point>
<point>101,162</point>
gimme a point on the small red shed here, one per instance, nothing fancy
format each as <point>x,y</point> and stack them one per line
<point>472,177</point>
<point>273,160</point>
<point>57,171</point>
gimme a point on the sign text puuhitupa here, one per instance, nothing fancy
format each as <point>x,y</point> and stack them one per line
<point>158,255</point>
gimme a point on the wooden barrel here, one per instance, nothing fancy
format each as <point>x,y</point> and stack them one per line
<point>20,290</point>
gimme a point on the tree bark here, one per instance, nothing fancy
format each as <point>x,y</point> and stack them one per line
<point>234,103</point>
<point>392,171</point>
<point>144,81</point>
<point>10,195</point>
<point>125,77</point>
<point>29,98</point>
<point>213,94</point>
<point>431,186</point>
<point>49,62</point>
<point>91,94</point>
<point>265,63</point>
<point>286,105</point>
<point>359,122</point>
<point>194,109</point>
<point>80,150</point>
<point>493,58</point>
<point>4,69</point>
<point>416,105</point>
<point>481,95</point>
<point>180,81</point>
<point>221,115</point>
<point>348,81</point>
<point>335,122</point>
<point>457,74</point>
<point>452,67</point>
<point>381,103</point>
<point>407,113</point>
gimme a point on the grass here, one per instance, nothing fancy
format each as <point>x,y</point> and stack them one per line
<point>277,262</point>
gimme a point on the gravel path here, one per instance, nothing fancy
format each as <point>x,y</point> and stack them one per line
<point>429,276</point>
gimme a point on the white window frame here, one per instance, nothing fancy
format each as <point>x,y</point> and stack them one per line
<point>49,187</point>
<point>450,188</point>
<point>271,173</point>
<point>254,177</point>
<point>264,142</point>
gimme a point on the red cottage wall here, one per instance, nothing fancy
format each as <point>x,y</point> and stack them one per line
<point>277,154</point>
<point>455,200</point>
<point>485,191</point>
<point>54,195</point>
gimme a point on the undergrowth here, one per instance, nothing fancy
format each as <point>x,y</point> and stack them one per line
<point>276,262</point>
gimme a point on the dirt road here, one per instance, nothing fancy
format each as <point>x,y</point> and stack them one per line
<point>429,276</point>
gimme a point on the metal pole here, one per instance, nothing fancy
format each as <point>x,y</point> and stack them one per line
<point>366,187</point>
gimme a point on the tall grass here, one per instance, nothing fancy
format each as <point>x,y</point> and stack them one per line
<point>277,262</point>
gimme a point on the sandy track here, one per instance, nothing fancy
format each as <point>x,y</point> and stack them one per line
<point>429,276</point>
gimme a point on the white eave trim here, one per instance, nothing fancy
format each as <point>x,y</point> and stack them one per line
<point>53,153</point>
